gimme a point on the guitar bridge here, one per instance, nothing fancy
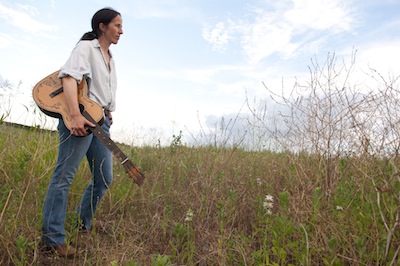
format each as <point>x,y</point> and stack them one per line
<point>56,92</point>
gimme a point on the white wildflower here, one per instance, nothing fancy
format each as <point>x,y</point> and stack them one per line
<point>339,208</point>
<point>268,204</point>
<point>259,182</point>
<point>189,216</point>
<point>269,198</point>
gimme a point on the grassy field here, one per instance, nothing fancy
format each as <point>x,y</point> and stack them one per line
<point>207,206</point>
<point>310,180</point>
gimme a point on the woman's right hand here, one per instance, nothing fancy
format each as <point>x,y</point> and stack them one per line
<point>79,125</point>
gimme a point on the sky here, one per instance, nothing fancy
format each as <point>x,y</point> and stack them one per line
<point>183,65</point>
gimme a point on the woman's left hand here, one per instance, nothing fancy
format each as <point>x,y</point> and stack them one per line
<point>110,117</point>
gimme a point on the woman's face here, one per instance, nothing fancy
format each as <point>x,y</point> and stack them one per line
<point>113,30</point>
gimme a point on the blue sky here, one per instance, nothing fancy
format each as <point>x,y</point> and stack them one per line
<point>183,65</point>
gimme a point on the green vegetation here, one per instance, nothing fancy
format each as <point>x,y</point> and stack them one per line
<point>206,206</point>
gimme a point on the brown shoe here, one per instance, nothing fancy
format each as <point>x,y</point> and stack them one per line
<point>63,250</point>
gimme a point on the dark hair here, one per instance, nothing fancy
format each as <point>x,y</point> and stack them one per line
<point>104,16</point>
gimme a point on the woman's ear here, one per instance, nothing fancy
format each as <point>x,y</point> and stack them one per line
<point>102,27</point>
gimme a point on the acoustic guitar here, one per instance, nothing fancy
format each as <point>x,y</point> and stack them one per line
<point>49,97</point>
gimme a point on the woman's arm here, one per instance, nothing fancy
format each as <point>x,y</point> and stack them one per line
<point>78,122</point>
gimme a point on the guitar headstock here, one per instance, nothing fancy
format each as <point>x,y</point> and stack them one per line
<point>134,172</point>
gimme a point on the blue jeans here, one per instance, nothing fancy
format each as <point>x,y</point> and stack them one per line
<point>71,151</point>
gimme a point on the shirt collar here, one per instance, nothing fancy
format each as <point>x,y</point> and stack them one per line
<point>96,44</point>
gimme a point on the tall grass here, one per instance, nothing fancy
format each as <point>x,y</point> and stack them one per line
<point>205,206</point>
<point>326,194</point>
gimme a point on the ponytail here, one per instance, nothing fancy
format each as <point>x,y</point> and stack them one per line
<point>88,36</point>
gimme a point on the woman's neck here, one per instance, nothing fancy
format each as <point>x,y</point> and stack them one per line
<point>104,44</point>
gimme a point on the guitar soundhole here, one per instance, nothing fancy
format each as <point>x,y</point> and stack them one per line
<point>81,108</point>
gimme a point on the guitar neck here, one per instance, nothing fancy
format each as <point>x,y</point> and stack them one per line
<point>131,169</point>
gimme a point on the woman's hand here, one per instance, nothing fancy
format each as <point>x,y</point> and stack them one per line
<point>111,118</point>
<point>79,125</point>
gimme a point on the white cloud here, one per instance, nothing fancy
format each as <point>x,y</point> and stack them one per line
<point>319,15</point>
<point>283,30</point>
<point>23,19</point>
<point>264,37</point>
<point>218,36</point>
<point>32,11</point>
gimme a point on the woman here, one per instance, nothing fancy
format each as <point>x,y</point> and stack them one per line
<point>91,60</point>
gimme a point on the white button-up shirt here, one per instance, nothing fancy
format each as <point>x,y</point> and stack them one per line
<point>87,61</point>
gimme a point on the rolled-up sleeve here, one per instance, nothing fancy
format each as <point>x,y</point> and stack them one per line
<point>77,65</point>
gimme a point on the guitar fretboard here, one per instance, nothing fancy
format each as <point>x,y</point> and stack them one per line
<point>131,169</point>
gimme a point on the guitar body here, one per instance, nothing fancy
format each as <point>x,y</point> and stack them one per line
<point>48,95</point>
